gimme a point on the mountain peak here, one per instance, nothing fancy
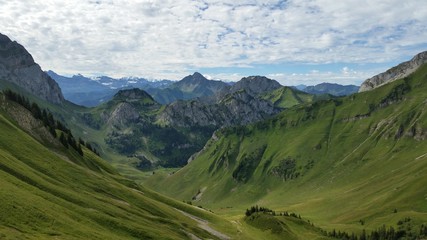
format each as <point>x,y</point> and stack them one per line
<point>198,75</point>
<point>18,67</point>
<point>195,77</point>
<point>255,85</point>
<point>400,71</point>
<point>132,94</point>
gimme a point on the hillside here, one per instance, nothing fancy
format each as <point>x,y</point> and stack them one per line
<point>286,97</point>
<point>351,163</point>
<point>48,191</point>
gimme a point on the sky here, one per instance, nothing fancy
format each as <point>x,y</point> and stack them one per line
<point>291,41</point>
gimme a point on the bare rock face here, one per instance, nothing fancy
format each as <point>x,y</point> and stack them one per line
<point>17,66</point>
<point>237,108</point>
<point>123,114</point>
<point>400,71</point>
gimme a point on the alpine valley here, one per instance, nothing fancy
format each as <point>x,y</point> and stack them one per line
<point>206,159</point>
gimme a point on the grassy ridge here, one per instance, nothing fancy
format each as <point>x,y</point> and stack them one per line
<point>335,162</point>
<point>51,192</point>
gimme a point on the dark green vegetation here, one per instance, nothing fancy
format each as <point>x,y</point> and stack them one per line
<point>126,125</point>
<point>338,162</point>
<point>65,136</point>
<point>50,191</point>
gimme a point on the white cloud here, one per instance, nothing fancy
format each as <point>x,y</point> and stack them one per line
<point>166,38</point>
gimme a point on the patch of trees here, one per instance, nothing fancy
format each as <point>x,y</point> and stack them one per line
<point>265,210</point>
<point>287,169</point>
<point>404,229</point>
<point>396,94</point>
<point>256,209</point>
<point>171,145</point>
<point>247,165</point>
<point>66,137</point>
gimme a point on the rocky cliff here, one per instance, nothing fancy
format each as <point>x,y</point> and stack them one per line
<point>17,66</point>
<point>235,105</point>
<point>234,109</point>
<point>125,107</point>
<point>400,71</point>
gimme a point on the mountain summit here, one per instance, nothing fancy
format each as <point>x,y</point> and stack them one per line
<point>17,66</point>
<point>400,71</point>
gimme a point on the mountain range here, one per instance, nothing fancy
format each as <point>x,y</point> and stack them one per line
<point>259,160</point>
<point>91,92</point>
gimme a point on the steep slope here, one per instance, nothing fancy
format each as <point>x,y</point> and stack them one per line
<point>48,191</point>
<point>17,67</point>
<point>331,88</point>
<point>400,71</point>
<point>352,163</point>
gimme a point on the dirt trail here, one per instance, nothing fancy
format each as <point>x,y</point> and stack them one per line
<point>204,225</point>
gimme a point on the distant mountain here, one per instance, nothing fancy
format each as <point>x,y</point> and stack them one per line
<point>299,87</point>
<point>237,104</point>
<point>91,92</point>
<point>400,71</point>
<point>192,86</point>
<point>253,85</point>
<point>17,67</point>
<point>331,88</point>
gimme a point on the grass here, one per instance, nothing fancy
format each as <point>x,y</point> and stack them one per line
<point>358,158</point>
<point>49,192</point>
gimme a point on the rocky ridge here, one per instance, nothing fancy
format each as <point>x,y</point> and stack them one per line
<point>400,71</point>
<point>18,67</point>
<point>237,105</point>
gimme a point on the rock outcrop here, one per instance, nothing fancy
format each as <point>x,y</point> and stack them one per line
<point>400,71</point>
<point>17,66</point>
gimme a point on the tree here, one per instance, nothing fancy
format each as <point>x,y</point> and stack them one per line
<point>63,140</point>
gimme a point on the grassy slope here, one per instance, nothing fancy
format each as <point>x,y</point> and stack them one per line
<point>286,97</point>
<point>352,166</point>
<point>52,193</point>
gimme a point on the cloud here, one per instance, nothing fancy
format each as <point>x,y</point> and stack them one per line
<point>168,39</point>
